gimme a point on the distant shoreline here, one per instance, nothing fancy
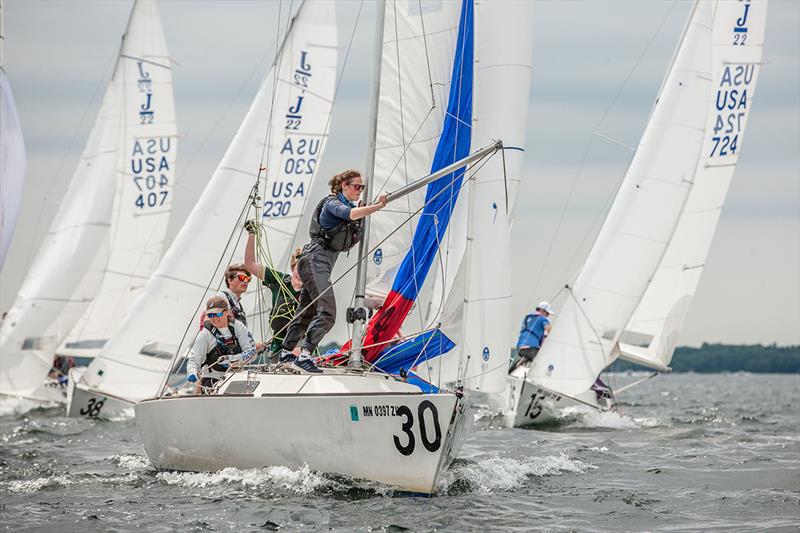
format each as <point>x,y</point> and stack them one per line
<point>714,358</point>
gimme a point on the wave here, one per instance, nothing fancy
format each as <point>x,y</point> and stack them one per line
<point>11,406</point>
<point>498,474</point>
<point>299,481</point>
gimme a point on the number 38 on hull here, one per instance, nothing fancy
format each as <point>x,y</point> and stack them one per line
<point>365,426</point>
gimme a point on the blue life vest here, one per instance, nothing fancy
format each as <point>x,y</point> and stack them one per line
<point>532,332</point>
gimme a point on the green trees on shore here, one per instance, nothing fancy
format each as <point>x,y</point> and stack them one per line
<point>711,358</point>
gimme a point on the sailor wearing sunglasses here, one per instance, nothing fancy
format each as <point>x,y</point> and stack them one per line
<point>222,341</point>
<point>335,228</point>
<point>237,279</point>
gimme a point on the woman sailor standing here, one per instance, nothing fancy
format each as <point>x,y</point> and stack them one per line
<point>335,228</point>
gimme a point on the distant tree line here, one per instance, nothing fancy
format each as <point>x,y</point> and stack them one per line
<point>711,358</point>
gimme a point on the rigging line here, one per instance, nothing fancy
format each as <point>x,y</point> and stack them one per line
<point>483,159</point>
<point>200,303</point>
<point>427,56</point>
<point>201,147</point>
<point>588,321</point>
<point>404,158</point>
<point>405,149</point>
<point>333,102</point>
<point>589,145</point>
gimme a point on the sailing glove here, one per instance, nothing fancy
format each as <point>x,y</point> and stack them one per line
<point>251,226</point>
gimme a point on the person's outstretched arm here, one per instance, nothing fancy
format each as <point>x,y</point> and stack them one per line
<point>250,261</point>
<point>361,212</point>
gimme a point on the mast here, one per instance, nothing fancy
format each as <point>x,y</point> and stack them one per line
<point>358,314</point>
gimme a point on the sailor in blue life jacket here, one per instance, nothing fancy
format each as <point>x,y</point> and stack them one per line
<point>222,341</point>
<point>535,329</point>
<point>335,228</point>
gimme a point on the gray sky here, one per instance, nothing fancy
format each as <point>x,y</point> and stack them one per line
<point>58,57</point>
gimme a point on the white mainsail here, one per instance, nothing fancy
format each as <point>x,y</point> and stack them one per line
<point>147,138</point>
<point>737,47</point>
<point>290,115</point>
<point>478,303</point>
<point>12,157</point>
<point>641,221</point>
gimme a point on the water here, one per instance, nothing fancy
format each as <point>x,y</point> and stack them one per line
<point>718,452</point>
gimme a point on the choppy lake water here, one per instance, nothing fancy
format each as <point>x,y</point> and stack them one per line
<point>687,452</point>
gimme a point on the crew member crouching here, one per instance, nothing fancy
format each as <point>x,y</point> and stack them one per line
<point>223,341</point>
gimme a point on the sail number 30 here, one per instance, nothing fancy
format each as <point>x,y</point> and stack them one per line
<point>406,445</point>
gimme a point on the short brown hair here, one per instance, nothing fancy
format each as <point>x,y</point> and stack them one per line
<point>217,302</point>
<point>343,177</point>
<point>295,257</point>
<point>233,270</point>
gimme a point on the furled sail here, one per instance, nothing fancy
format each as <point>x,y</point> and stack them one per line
<point>737,46</point>
<point>147,137</point>
<point>287,122</point>
<point>72,262</point>
<point>640,223</point>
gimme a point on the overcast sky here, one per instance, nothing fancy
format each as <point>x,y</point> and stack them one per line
<point>59,55</point>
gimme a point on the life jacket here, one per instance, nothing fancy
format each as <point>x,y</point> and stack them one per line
<point>235,307</point>
<point>340,238</point>
<point>224,346</point>
<point>529,331</point>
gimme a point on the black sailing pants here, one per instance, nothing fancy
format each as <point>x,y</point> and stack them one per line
<point>314,267</point>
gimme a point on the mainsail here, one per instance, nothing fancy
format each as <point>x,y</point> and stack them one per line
<point>639,225</point>
<point>72,262</point>
<point>12,158</point>
<point>287,124</point>
<point>737,46</point>
<point>147,137</point>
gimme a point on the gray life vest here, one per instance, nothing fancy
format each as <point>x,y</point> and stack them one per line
<point>339,239</point>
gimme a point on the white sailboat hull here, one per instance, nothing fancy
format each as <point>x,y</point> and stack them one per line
<point>84,402</point>
<point>361,426</point>
<point>530,405</point>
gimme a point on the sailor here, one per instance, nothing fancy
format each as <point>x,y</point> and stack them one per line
<point>285,289</point>
<point>222,341</point>
<point>535,329</point>
<point>237,277</point>
<point>335,228</point>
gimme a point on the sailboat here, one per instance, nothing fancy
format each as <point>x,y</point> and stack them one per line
<point>632,295</point>
<point>290,115</point>
<point>387,426</point>
<point>107,234</point>
<point>12,156</point>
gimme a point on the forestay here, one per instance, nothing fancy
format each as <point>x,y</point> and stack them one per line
<point>738,39</point>
<point>301,83</point>
<point>145,174</point>
<point>478,302</point>
<point>639,225</point>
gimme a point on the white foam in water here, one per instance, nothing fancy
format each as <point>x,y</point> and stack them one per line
<point>10,406</point>
<point>34,485</point>
<point>131,462</point>
<point>584,417</point>
<point>299,481</point>
<point>501,474</point>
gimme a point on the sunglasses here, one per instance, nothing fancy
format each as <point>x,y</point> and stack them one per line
<point>244,277</point>
<point>357,186</point>
<point>215,315</point>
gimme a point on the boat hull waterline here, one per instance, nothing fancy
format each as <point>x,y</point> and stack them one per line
<point>400,439</point>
